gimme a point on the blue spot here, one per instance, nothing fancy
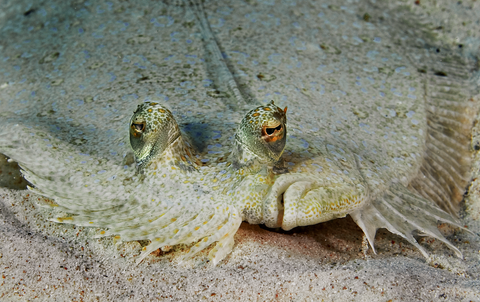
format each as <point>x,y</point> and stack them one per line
<point>220,23</point>
<point>357,39</point>
<point>377,40</point>
<point>189,41</point>
<point>81,86</point>
<point>305,143</point>
<point>275,58</point>
<point>413,97</point>
<point>80,30</point>
<point>172,35</point>
<point>382,94</point>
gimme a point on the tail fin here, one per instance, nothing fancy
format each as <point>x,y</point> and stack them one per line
<point>452,103</point>
<point>403,212</point>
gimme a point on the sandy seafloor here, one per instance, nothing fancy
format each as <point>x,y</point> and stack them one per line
<point>328,262</point>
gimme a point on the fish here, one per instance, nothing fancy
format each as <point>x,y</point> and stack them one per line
<point>378,122</point>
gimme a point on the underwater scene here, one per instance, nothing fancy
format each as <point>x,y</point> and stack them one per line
<point>257,150</point>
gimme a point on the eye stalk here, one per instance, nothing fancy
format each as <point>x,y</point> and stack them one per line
<point>262,134</point>
<point>153,130</point>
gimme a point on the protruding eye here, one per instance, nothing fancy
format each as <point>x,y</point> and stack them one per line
<point>272,133</point>
<point>137,128</point>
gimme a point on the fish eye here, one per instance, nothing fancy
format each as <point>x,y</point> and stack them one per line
<point>137,128</point>
<point>271,131</point>
<point>271,134</point>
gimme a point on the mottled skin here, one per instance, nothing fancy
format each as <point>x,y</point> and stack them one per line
<point>153,129</point>
<point>252,180</point>
<point>365,122</point>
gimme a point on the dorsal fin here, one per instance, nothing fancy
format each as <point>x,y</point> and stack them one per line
<point>452,103</point>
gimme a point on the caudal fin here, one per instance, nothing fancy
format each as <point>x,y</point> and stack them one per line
<point>404,213</point>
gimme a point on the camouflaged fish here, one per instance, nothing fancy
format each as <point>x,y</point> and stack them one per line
<point>377,126</point>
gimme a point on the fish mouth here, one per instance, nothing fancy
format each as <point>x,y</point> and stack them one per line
<point>279,207</point>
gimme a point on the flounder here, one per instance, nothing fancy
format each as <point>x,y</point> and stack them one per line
<point>377,127</point>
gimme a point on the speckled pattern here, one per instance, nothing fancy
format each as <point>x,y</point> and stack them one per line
<point>364,83</point>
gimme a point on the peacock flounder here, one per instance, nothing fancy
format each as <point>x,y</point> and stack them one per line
<point>378,124</point>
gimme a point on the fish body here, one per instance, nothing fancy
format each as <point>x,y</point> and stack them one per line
<point>378,122</point>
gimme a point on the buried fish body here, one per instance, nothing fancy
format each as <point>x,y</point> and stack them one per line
<point>377,134</point>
